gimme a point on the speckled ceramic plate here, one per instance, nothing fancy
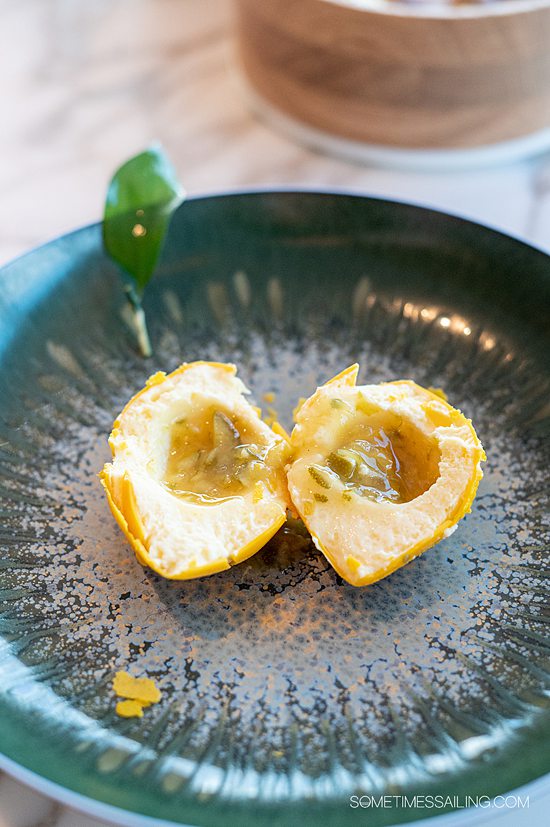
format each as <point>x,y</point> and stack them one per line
<point>285,691</point>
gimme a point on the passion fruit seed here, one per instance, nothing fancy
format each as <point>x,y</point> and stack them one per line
<point>319,475</point>
<point>346,496</point>
<point>343,463</point>
<point>321,498</point>
<point>206,458</point>
<point>368,466</point>
<point>226,436</point>
<point>224,466</point>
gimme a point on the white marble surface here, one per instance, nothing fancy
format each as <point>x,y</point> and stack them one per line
<point>85,85</point>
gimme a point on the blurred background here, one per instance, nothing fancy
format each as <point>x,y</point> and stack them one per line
<point>85,85</point>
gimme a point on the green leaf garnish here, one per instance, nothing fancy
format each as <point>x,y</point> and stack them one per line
<point>142,195</point>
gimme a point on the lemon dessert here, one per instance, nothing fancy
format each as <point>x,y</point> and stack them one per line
<point>197,482</point>
<point>380,473</point>
<point>377,473</point>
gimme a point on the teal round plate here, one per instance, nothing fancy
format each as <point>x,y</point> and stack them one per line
<point>285,691</point>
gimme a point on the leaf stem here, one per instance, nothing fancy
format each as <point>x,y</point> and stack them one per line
<point>139,323</point>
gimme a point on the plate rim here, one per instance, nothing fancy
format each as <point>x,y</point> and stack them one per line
<point>81,802</point>
<point>291,189</point>
<point>127,818</point>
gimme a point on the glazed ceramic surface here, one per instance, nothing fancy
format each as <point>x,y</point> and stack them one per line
<point>285,690</point>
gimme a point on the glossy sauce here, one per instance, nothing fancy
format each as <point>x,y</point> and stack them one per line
<point>370,466</point>
<point>385,459</point>
<point>210,458</point>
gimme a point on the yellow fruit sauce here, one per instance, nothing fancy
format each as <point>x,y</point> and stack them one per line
<point>379,456</point>
<point>210,457</point>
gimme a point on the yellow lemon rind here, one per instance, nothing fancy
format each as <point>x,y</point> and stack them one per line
<point>345,377</point>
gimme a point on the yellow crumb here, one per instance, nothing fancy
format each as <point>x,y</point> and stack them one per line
<point>439,392</point>
<point>137,689</point>
<point>280,431</point>
<point>129,709</point>
<point>269,397</point>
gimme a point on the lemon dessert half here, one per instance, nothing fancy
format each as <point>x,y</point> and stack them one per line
<point>197,481</point>
<point>380,473</point>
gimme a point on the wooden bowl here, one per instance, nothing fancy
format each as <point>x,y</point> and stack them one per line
<point>397,75</point>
